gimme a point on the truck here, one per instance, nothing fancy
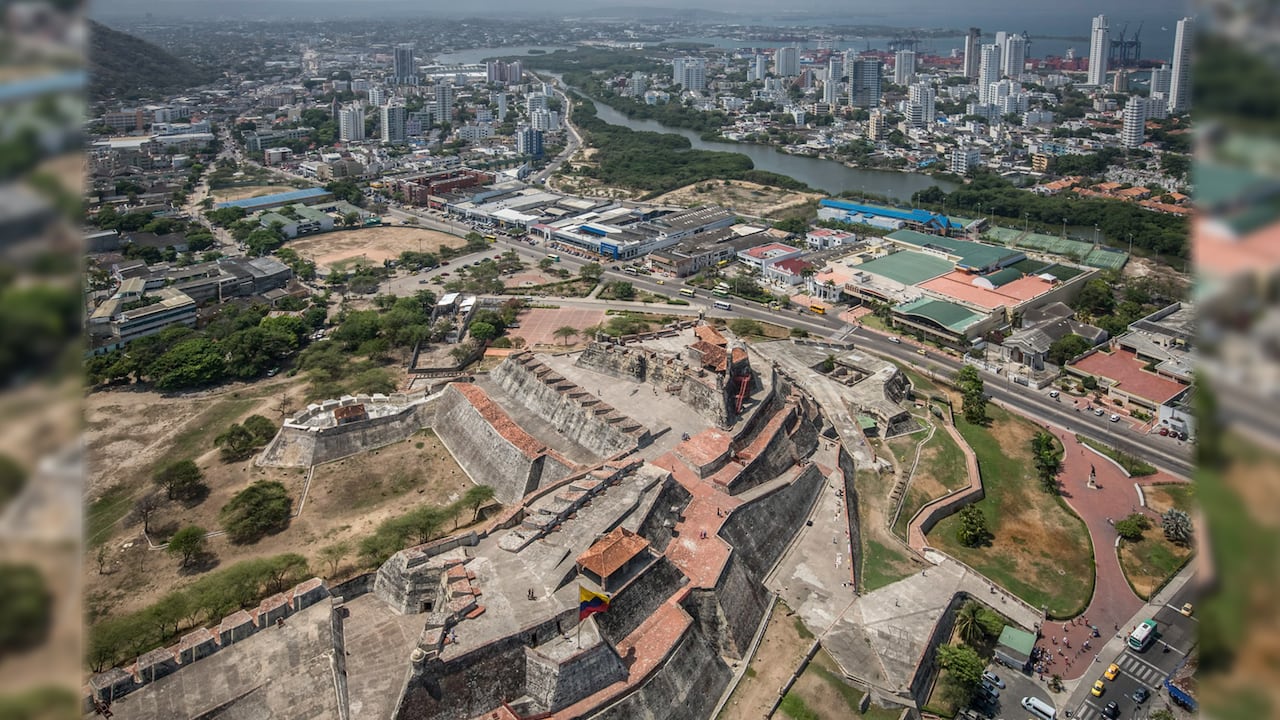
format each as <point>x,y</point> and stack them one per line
<point>1181,684</point>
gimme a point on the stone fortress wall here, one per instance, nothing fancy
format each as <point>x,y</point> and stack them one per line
<point>706,392</point>
<point>313,436</point>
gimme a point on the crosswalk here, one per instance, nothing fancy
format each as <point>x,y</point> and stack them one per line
<point>1132,665</point>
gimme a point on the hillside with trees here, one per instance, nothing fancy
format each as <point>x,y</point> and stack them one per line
<point>125,67</point>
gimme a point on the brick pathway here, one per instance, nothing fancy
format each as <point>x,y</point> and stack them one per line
<point>1113,602</point>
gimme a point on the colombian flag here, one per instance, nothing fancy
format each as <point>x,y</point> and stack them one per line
<point>590,603</point>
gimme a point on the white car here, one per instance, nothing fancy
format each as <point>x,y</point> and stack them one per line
<point>1053,393</point>
<point>991,678</point>
<point>1099,412</point>
<point>895,340</point>
<point>1115,418</point>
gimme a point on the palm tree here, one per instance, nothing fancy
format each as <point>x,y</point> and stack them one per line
<point>967,623</point>
<point>565,332</point>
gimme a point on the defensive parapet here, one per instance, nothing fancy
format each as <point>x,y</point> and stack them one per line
<point>574,412</point>
<point>347,426</point>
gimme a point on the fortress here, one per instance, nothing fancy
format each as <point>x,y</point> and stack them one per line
<point>668,473</point>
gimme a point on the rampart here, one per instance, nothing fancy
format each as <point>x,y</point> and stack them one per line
<point>314,436</point>
<point>491,448</point>
<point>849,474</point>
<point>705,391</point>
<point>409,580</point>
<point>201,643</point>
<point>754,529</point>
<point>574,412</point>
<point>685,687</point>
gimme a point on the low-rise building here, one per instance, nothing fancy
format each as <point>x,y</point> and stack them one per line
<point>133,313</point>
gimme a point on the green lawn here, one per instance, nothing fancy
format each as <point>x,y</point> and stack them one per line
<point>873,321</point>
<point>1149,562</point>
<point>941,460</point>
<point>822,693</point>
<point>1041,551</point>
<point>882,565</point>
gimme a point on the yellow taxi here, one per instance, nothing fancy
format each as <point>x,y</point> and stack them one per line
<point>1098,688</point>
<point>1112,671</point>
<point>922,351</point>
<point>1187,609</point>
<point>660,281</point>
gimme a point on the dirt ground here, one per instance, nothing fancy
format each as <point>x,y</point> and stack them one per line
<point>345,501</point>
<point>779,654</point>
<point>538,326</point>
<point>744,198</point>
<point>248,191</point>
<point>373,244</point>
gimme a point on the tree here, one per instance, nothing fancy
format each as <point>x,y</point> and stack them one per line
<point>351,219</point>
<point>190,363</point>
<point>545,264</point>
<point>145,507</point>
<point>564,332</point>
<point>964,669</point>
<point>237,442</point>
<point>1132,527</point>
<point>334,554</point>
<point>483,331</point>
<point>25,607</point>
<point>262,428</point>
<point>1067,348</point>
<point>591,271</point>
<point>967,625</point>
<point>829,363</point>
<point>189,542</point>
<point>1177,527</point>
<point>1047,459</point>
<point>1096,298</point>
<point>12,479</point>
<point>180,480</point>
<point>475,497</point>
<point>423,524</point>
<point>973,527</point>
<point>621,289</point>
<point>259,509</point>
<point>973,395</point>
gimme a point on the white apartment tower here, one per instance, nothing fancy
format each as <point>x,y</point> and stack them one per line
<point>964,158</point>
<point>1160,80</point>
<point>921,96</point>
<point>831,91</point>
<point>1014,58</point>
<point>444,101</point>
<point>1180,79</point>
<point>904,67</point>
<point>691,73</point>
<point>535,102</point>
<point>761,67</point>
<point>972,51</point>
<point>502,107</point>
<point>787,62</point>
<point>403,71</point>
<point>1099,44</point>
<point>988,72</point>
<point>392,120</point>
<point>1133,132</point>
<point>377,96</point>
<point>351,123</point>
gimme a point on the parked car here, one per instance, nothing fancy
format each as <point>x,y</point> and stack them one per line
<point>992,679</point>
<point>1164,432</point>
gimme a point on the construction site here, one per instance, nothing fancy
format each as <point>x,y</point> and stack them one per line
<point>690,478</point>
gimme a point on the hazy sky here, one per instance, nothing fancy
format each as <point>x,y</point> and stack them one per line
<point>1043,14</point>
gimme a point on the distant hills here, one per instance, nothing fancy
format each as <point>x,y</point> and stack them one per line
<point>125,67</point>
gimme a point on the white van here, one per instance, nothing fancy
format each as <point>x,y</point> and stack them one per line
<point>1039,708</point>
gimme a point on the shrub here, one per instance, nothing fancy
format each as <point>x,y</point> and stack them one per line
<point>258,510</point>
<point>973,527</point>
<point>1132,527</point>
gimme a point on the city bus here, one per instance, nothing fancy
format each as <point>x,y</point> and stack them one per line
<point>722,305</point>
<point>687,292</point>
<point>1143,635</point>
<point>719,292</point>
<point>817,310</point>
<point>554,258</point>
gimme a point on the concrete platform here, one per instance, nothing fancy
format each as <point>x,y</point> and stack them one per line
<point>378,644</point>
<point>536,426</point>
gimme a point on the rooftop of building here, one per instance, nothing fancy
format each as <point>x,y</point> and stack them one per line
<point>1129,374</point>
<point>1010,288</point>
<point>907,267</point>
<point>278,198</point>
<point>692,219</point>
<point>922,217</point>
<point>613,551</point>
<point>949,315</point>
<point>769,250</point>
<point>969,255</point>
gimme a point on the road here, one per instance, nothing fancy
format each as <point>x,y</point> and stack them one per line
<point>1176,637</point>
<point>574,138</point>
<point>1166,453</point>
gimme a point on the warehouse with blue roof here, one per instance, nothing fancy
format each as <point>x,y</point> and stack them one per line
<point>885,217</point>
<point>309,196</point>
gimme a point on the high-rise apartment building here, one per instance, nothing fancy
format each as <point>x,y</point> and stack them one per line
<point>964,158</point>
<point>904,67</point>
<point>403,71</point>
<point>972,51</point>
<point>501,100</point>
<point>690,73</point>
<point>529,142</point>
<point>864,83</point>
<point>1180,79</point>
<point>1014,57</point>
<point>920,105</point>
<point>831,91</point>
<point>444,101</point>
<point>1134,131</point>
<point>988,72</point>
<point>535,102</point>
<point>760,67</point>
<point>377,96</point>
<point>392,120</point>
<point>351,123</point>
<point>1160,80</point>
<point>1099,46</point>
<point>786,63</point>
<point>876,125</point>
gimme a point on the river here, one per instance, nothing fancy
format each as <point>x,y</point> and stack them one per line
<point>826,175</point>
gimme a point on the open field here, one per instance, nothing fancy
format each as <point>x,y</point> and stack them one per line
<point>1041,550</point>
<point>822,693</point>
<point>538,326</point>
<point>780,652</point>
<point>132,434</point>
<point>248,191</point>
<point>737,196</point>
<point>1150,561</point>
<point>941,470</point>
<point>373,244</point>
